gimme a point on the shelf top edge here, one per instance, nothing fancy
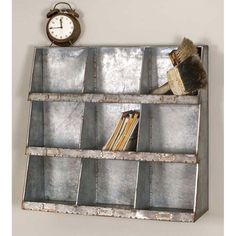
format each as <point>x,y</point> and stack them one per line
<point>176,216</point>
<point>115,98</point>
<point>117,46</point>
<point>112,155</point>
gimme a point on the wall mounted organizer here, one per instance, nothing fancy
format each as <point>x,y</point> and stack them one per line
<point>77,95</point>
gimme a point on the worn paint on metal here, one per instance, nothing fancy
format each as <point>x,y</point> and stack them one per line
<point>111,212</point>
<point>113,155</point>
<point>114,98</point>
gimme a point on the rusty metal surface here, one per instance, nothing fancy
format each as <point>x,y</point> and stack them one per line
<point>98,154</point>
<point>77,95</point>
<point>173,216</point>
<point>114,98</point>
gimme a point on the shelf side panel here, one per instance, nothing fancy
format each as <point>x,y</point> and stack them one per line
<point>142,200</point>
<point>88,138</point>
<point>36,125</point>
<point>37,75</point>
<point>90,71</point>
<point>145,73</point>
<point>202,196</point>
<point>144,132</point>
<point>87,183</point>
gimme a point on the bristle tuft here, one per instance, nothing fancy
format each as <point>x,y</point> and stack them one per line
<point>192,73</point>
<point>185,50</point>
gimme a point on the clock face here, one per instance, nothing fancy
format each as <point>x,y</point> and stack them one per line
<point>61,27</point>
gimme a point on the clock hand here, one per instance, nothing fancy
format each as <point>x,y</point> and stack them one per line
<point>61,22</point>
<point>55,28</point>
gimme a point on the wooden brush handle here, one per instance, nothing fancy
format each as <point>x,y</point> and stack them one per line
<point>173,57</point>
<point>161,90</point>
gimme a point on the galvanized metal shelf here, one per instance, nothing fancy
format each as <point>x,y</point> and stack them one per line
<point>77,94</point>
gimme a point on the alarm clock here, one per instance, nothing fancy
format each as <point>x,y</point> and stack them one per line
<point>63,27</point>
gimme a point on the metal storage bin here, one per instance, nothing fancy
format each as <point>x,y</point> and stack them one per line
<point>99,122</point>
<point>77,95</point>
<point>53,64</point>
<point>169,128</point>
<point>108,183</point>
<point>166,186</point>
<point>56,124</point>
<point>53,180</point>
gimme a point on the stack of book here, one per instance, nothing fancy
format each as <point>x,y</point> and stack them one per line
<point>124,136</point>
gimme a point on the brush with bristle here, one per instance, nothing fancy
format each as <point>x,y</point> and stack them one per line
<point>185,78</point>
<point>185,50</point>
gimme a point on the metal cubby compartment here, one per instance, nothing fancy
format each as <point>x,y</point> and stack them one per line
<point>53,180</point>
<point>59,70</point>
<point>56,124</point>
<point>108,183</point>
<point>77,94</point>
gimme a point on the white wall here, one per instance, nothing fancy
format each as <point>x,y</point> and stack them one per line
<point>119,22</point>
